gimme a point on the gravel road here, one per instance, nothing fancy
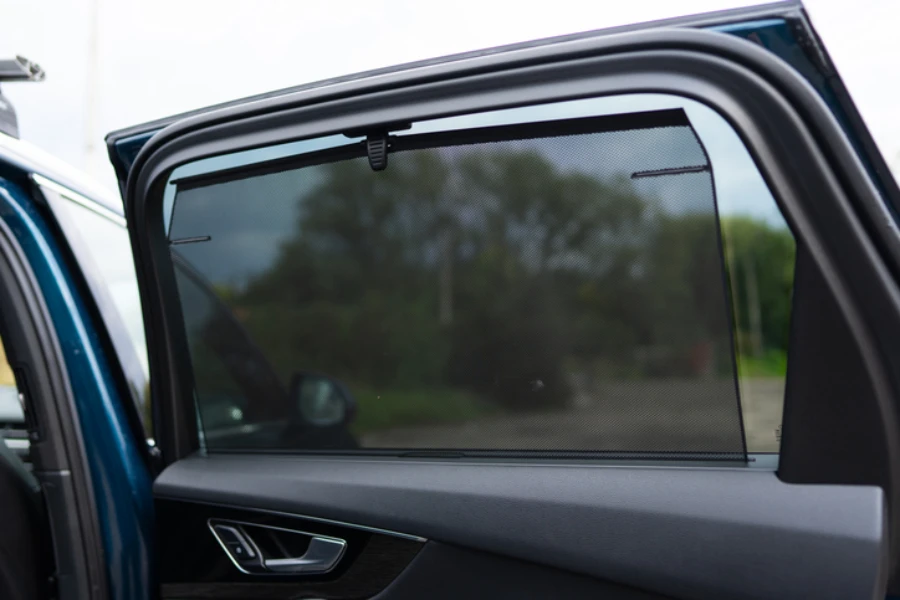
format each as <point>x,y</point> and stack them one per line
<point>660,415</point>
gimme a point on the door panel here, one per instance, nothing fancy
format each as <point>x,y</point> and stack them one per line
<point>194,565</point>
<point>591,521</point>
<point>447,572</point>
<point>378,564</point>
<point>689,532</point>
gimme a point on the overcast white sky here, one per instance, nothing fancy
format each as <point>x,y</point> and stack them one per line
<point>114,63</point>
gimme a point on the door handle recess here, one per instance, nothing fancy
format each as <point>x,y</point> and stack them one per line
<point>322,553</point>
<point>321,556</point>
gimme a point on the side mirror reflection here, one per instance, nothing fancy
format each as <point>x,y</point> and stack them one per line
<point>321,400</point>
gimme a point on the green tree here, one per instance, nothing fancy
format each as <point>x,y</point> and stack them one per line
<point>760,262</point>
<point>441,269</point>
<point>493,270</point>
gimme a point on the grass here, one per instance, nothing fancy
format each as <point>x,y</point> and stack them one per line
<point>771,364</point>
<point>378,410</point>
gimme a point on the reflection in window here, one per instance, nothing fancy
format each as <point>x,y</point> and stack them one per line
<point>99,240</point>
<point>555,287</point>
<point>110,250</point>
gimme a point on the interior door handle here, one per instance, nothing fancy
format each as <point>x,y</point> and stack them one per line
<point>320,557</point>
<point>322,552</point>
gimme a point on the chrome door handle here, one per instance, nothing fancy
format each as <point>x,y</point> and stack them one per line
<point>321,556</point>
<point>236,537</point>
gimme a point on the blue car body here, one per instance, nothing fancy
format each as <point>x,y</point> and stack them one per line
<point>120,473</point>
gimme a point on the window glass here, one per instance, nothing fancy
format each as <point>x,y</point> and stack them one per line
<point>600,276</point>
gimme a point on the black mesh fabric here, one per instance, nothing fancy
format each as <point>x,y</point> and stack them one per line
<point>549,289</point>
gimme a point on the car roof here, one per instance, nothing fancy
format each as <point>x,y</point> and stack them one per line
<point>33,160</point>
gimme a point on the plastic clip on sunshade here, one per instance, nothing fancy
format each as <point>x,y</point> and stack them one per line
<point>377,150</point>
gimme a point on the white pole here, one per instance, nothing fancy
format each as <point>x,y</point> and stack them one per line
<point>93,56</point>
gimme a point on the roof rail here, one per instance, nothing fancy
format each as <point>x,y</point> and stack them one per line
<point>15,69</point>
<point>20,69</point>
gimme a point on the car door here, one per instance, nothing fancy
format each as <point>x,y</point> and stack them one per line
<point>611,315</point>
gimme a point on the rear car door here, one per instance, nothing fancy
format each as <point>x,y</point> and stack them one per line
<point>614,315</point>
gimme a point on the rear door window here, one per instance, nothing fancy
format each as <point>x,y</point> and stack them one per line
<point>603,277</point>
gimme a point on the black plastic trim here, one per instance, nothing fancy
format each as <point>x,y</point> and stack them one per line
<point>455,137</point>
<point>737,458</point>
<point>688,533</point>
